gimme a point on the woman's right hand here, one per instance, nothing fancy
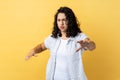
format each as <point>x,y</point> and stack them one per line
<point>30,54</point>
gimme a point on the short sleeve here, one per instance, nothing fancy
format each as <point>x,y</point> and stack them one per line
<point>82,36</point>
<point>48,42</point>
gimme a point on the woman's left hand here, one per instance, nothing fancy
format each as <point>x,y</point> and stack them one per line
<point>83,44</point>
<point>86,44</point>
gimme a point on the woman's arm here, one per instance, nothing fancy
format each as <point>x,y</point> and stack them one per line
<point>87,44</point>
<point>90,45</point>
<point>39,48</point>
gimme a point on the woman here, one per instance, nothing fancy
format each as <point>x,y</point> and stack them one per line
<point>66,44</point>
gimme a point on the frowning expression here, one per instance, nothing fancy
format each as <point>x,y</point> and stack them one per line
<point>62,22</point>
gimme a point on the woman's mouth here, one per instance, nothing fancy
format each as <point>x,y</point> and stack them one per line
<point>61,27</point>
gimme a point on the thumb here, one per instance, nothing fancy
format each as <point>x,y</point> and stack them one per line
<point>35,55</point>
<point>27,58</point>
<point>78,49</point>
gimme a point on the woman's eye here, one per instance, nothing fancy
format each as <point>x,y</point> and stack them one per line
<point>64,20</point>
<point>58,20</point>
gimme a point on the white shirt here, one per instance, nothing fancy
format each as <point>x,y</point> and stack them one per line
<point>74,59</point>
<point>61,70</point>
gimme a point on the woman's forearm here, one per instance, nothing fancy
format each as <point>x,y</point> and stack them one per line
<point>39,48</point>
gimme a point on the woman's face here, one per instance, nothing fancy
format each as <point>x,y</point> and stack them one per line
<point>62,22</point>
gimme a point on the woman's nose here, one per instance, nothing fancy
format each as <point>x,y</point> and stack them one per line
<point>62,23</point>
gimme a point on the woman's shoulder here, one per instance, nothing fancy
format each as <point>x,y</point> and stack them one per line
<point>49,41</point>
<point>50,38</point>
<point>81,36</point>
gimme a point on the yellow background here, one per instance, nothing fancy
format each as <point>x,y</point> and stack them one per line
<point>26,23</point>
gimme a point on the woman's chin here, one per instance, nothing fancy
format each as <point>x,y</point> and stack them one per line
<point>62,31</point>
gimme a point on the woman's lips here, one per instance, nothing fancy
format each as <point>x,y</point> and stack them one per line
<point>61,27</point>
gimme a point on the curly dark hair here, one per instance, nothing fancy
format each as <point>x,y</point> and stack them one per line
<point>73,24</point>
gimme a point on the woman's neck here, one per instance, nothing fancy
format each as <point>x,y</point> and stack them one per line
<point>64,35</point>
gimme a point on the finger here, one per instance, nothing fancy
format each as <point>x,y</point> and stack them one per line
<point>78,49</point>
<point>85,44</point>
<point>84,41</point>
<point>80,41</point>
<point>35,55</point>
<point>27,58</point>
<point>85,48</point>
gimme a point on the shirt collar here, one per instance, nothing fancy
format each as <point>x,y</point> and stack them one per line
<point>70,39</point>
